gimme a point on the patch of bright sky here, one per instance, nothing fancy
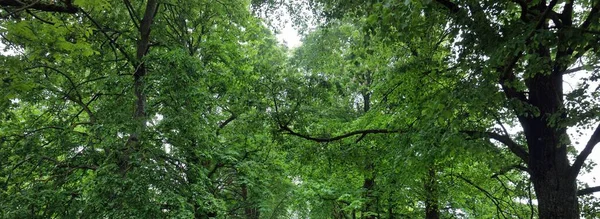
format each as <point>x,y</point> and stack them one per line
<point>289,36</point>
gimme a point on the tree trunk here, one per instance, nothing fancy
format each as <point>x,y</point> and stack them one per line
<point>369,186</point>
<point>432,210</point>
<point>139,116</point>
<point>555,187</point>
<point>557,198</point>
<point>250,209</point>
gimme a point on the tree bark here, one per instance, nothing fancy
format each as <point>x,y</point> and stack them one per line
<point>432,210</point>
<point>369,186</point>
<point>139,116</point>
<point>555,188</point>
<point>250,210</point>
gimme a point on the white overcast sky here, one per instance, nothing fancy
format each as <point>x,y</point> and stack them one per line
<point>288,35</point>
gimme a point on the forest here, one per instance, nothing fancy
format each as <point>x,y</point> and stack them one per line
<point>388,109</point>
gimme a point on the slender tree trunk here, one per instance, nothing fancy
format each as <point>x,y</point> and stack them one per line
<point>369,186</point>
<point>432,210</point>
<point>250,210</point>
<point>369,182</point>
<point>139,115</point>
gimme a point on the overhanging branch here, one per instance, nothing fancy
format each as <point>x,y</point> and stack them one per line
<point>339,137</point>
<point>513,146</point>
<point>227,121</point>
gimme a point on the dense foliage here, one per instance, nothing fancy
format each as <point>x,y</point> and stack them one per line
<point>389,109</point>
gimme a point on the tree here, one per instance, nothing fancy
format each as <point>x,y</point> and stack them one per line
<point>526,48</point>
<point>123,109</point>
<point>408,171</point>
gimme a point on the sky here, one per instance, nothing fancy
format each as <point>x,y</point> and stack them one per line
<point>289,36</point>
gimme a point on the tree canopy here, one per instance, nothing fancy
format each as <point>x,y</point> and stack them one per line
<point>388,109</point>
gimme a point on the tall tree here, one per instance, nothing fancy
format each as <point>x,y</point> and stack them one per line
<point>123,108</point>
<point>524,48</point>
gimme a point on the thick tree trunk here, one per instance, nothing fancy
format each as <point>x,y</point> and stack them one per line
<point>557,198</point>
<point>555,187</point>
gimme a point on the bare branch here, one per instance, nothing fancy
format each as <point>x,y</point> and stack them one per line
<point>588,191</point>
<point>132,14</point>
<point>486,193</point>
<point>513,146</point>
<point>585,152</point>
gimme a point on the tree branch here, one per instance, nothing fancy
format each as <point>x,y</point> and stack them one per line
<point>224,123</point>
<point>339,137</point>
<point>68,6</point>
<point>453,7</point>
<point>486,193</point>
<point>580,68</point>
<point>513,146</point>
<point>585,152</point>
<point>509,168</point>
<point>588,191</point>
<point>567,14</point>
<point>591,17</point>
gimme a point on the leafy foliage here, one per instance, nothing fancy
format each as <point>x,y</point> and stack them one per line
<point>389,109</point>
